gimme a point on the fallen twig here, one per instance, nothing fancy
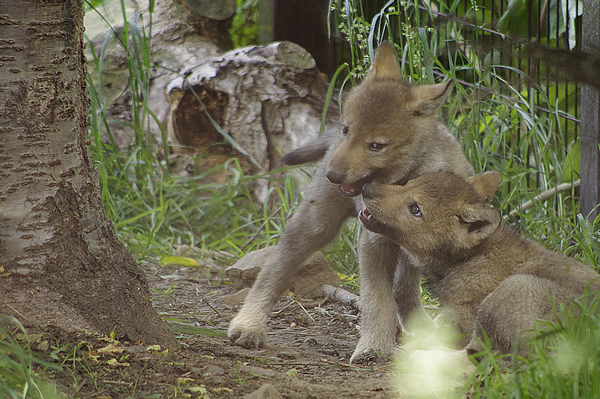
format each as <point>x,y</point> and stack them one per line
<point>341,295</point>
<point>210,306</point>
<point>545,195</point>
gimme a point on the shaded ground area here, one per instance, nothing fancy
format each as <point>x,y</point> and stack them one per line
<point>307,355</point>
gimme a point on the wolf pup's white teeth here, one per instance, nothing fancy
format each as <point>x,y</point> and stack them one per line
<point>367,214</point>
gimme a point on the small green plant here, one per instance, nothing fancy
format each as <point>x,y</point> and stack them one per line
<point>72,357</point>
<point>244,27</point>
<point>21,370</point>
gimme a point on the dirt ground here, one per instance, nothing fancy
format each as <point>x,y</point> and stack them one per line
<point>309,345</point>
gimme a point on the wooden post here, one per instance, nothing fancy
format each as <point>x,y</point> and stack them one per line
<point>304,22</point>
<point>265,21</point>
<point>590,118</point>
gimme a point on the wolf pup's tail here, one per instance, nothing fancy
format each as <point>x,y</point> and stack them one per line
<point>313,151</point>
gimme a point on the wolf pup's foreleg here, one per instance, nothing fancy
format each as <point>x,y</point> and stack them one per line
<point>316,222</point>
<point>378,257</point>
<point>407,292</point>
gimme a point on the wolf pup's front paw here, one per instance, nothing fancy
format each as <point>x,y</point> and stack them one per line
<point>375,345</point>
<point>370,357</point>
<point>249,338</point>
<point>367,355</point>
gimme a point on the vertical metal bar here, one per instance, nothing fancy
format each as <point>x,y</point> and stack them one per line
<point>492,55</point>
<point>567,137</point>
<point>590,121</point>
<point>577,85</point>
<point>530,34</point>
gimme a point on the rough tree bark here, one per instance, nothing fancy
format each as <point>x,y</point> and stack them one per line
<point>60,261</point>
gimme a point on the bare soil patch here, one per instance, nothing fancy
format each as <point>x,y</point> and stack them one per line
<point>309,345</point>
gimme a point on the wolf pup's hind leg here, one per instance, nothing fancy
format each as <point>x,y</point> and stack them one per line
<point>509,312</point>
<point>316,222</point>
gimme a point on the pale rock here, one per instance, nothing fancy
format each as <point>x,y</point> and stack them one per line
<point>311,277</point>
<point>243,273</point>
<point>234,299</point>
<point>266,391</point>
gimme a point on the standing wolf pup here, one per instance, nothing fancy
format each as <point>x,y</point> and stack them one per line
<point>486,275</point>
<point>390,133</point>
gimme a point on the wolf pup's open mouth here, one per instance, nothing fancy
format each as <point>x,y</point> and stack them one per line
<point>373,224</point>
<point>354,189</point>
<point>365,216</point>
<point>368,220</point>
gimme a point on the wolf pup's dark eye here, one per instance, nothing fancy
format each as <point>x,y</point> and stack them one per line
<point>376,146</point>
<point>415,210</point>
<point>345,130</point>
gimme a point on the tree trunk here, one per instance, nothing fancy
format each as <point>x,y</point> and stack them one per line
<point>304,22</point>
<point>60,261</point>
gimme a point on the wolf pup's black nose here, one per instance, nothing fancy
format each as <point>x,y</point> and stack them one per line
<point>336,178</point>
<point>367,190</point>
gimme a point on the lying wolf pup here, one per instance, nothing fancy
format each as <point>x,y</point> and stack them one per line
<point>486,275</point>
<point>390,133</point>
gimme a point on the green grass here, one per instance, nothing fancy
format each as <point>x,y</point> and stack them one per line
<point>20,368</point>
<point>244,27</point>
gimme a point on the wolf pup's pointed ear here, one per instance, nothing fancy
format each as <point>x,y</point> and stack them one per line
<point>486,183</point>
<point>385,64</point>
<point>477,222</point>
<point>428,98</point>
